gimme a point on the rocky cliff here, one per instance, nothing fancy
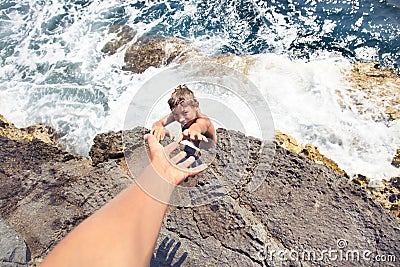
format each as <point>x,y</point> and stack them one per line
<point>369,88</point>
<point>305,211</point>
<point>301,210</point>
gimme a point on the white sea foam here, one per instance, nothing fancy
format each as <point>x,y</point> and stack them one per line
<point>303,98</point>
<point>56,74</point>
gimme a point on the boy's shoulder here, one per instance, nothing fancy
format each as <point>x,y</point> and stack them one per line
<point>203,118</point>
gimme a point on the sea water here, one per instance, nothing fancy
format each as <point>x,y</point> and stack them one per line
<point>52,70</point>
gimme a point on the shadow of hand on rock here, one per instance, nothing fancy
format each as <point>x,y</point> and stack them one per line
<point>165,254</point>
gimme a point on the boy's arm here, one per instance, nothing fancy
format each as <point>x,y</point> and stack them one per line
<point>164,121</point>
<point>196,130</point>
<point>158,127</point>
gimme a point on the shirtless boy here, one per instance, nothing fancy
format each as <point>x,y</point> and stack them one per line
<point>185,109</point>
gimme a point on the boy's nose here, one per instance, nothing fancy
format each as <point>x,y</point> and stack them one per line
<point>181,120</point>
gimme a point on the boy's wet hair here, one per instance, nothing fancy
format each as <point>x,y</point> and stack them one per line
<point>182,94</point>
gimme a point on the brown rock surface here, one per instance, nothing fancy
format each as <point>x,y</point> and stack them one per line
<point>124,34</point>
<point>39,131</point>
<point>148,52</point>
<point>371,85</point>
<point>153,52</point>
<point>387,195</point>
<point>309,151</point>
<point>396,159</point>
<point>299,205</point>
<point>45,191</point>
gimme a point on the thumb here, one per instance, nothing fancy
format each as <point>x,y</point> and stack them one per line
<point>180,137</point>
<point>151,141</point>
<point>197,169</point>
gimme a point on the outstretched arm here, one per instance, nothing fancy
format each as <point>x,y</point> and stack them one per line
<point>124,231</point>
<point>196,130</point>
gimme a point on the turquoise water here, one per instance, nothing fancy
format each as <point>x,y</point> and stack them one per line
<point>52,69</point>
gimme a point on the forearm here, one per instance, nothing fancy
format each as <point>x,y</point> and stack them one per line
<point>122,233</point>
<point>197,127</point>
<point>164,121</point>
<point>158,124</point>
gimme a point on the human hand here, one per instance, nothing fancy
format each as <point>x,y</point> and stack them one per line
<point>169,168</point>
<point>160,132</point>
<point>192,135</point>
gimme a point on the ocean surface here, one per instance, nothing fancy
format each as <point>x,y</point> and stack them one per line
<point>52,70</point>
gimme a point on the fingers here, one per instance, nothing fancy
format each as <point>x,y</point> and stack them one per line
<point>153,144</point>
<point>151,140</point>
<point>178,157</point>
<point>192,136</point>
<point>158,132</point>
<point>161,132</point>
<point>187,162</point>
<point>183,135</point>
<point>202,138</point>
<point>159,135</point>
<point>198,136</point>
<point>170,147</point>
<point>154,132</point>
<point>196,170</point>
<point>167,132</point>
<point>180,138</point>
<point>155,150</point>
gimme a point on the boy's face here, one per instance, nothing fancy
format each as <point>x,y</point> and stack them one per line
<point>184,113</point>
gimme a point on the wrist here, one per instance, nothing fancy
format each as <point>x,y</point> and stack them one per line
<point>158,124</point>
<point>154,185</point>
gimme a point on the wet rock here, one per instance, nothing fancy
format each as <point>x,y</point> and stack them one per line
<point>370,85</point>
<point>395,182</point>
<point>42,132</point>
<point>242,64</point>
<point>361,180</point>
<point>372,90</point>
<point>154,52</point>
<point>123,35</point>
<point>396,159</point>
<point>388,195</point>
<point>309,151</point>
